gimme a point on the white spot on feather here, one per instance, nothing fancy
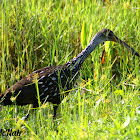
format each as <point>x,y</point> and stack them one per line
<point>55,94</point>
<point>42,77</point>
<point>49,75</point>
<point>46,89</point>
<point>42,86</point>
<point>53,78</point>
<point>55,89</point>
<point>42,94</point>
<point>34,72</point>
<point>50,83</point>
<point>41,71</point>
<point>40,83</point>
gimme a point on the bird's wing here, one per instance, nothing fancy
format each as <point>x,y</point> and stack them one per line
<point>36,75</point>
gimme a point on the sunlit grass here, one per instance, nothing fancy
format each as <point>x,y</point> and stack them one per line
<point>105,103</point>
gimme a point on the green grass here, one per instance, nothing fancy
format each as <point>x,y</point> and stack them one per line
<point>35,34</point>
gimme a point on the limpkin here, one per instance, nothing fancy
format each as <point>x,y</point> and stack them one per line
<point>52,80</point>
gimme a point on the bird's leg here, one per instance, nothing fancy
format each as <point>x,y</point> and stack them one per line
<point>55,109</point>
<point>27,115</point>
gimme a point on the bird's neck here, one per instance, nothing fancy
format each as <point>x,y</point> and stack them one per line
<point>80,58</point>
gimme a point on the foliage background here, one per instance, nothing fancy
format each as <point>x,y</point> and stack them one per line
<point>105,104</point>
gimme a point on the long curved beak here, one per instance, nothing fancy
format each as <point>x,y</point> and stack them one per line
<point>116,39</point>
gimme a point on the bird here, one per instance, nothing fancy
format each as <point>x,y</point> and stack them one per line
<point>55,79</point>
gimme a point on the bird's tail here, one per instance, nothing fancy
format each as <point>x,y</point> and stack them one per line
<point>5,99</point>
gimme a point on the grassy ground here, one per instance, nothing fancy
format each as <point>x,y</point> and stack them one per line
<point>35,34</point>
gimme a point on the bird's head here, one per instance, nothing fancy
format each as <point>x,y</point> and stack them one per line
<point>108,35</point>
